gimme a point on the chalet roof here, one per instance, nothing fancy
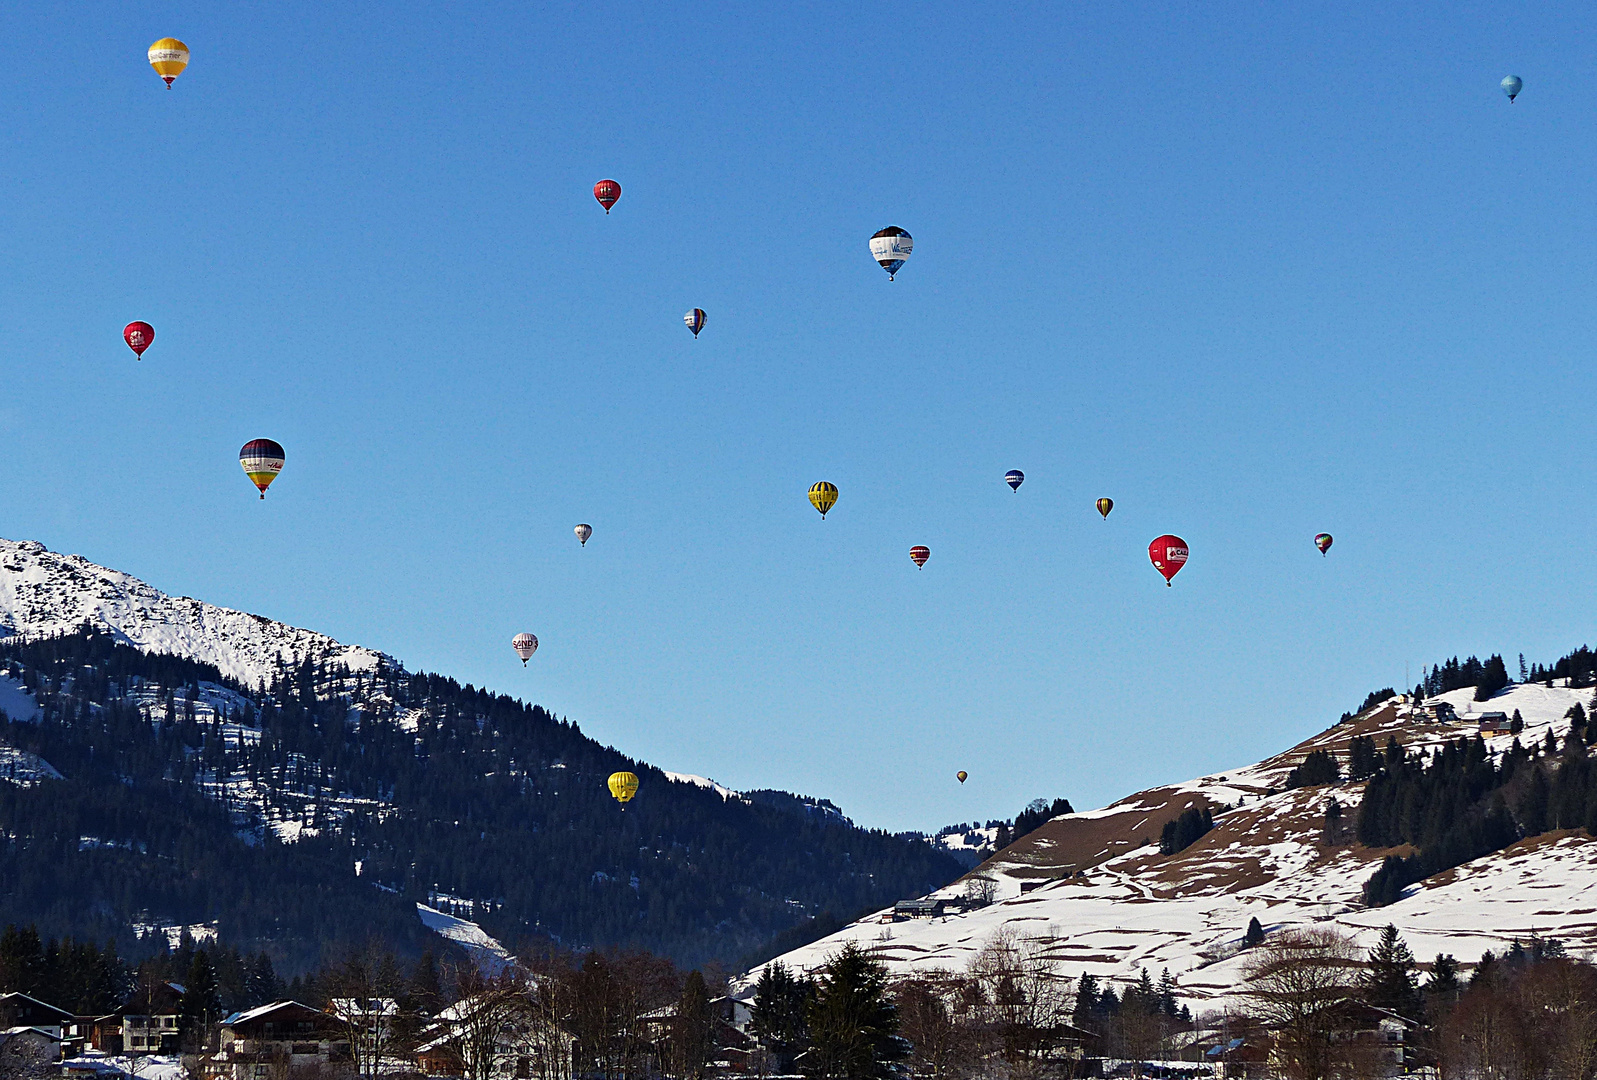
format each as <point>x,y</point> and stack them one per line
<point>21,1028</point>
<point>262,1011</point>
<point>18,996</point>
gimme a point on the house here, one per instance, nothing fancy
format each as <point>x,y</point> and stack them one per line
<point>1436,710</point>
<point>21,1011</point>
<point>270,1040</point>
<point>24,1048</point>
<point>147,1024</point>
<point>524,1049</point>
<point>1380,1036</point>
<point>920,909</point>
<point>1495,723</point>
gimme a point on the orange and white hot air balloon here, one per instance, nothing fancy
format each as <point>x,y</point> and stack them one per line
<point>169,57</point>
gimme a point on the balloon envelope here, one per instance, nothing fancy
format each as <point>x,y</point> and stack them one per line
<point>1105,505</point>
<point>623,785</point>
<point>962,774</point>
<point>1512,86</point>
<point>169,57</point>
<point>525,645</point>
<point>139,336</point>
<point>262,460</point>
<point>583,532</point>
<point>607,192</point>
<point>695,320</point>
<point>823,496</point>
<point>1168,554</point>
<point>919,554</point>
<point>1323,542</point>
<point>1014,478</point>
<point>891,247</point>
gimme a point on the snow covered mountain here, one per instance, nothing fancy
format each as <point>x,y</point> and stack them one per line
<point>42,592</point>
<point>1093,890</point>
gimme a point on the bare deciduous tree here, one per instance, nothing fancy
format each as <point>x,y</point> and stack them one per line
<point>1026,998</point>
<point>363,994</point>
<point>1293,981</point>
<point>488,1015</point>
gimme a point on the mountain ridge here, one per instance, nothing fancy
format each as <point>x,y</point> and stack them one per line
<point>1095,891</point>
<point>191,766</point>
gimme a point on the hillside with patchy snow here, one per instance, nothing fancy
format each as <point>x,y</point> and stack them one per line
<point>42,592</point>
<point>1094,892</point>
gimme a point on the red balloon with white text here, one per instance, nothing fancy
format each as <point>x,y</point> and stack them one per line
<point>1168,555</point>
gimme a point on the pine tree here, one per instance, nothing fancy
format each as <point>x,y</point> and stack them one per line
<point>779,1013</point>
<point>1255,934</point>
<point>690,1028</point>
<point>1444,976</point>
<point>853,1022</point>
<point>1086,999</point>
<point>1389,981</point>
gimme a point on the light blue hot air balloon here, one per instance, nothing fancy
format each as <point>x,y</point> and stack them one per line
<point>1511,86</point>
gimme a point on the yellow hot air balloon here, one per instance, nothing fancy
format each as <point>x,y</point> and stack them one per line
<point>962,774</point>
<point>1105,505</point>
<point>823,497</point>
<point>169,57</point>
<point>623,785</point>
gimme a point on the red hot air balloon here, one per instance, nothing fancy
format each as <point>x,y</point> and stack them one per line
<point>1168,554</point>
<point>919,554</point>
<point>1323,542</point>
<point>139,336</point>
<point>607,192</point>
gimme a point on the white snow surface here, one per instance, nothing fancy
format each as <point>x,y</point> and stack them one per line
<point>703,782</point>
<point>1129,908</point>
<point>24,768</point>
<point>42,593</point>
<point>490,956</point>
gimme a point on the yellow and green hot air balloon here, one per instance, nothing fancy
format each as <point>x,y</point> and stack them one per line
<point>169,57</point>
<point>823,497</point>
<point>623,785</point>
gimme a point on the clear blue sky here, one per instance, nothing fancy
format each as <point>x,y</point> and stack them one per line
<point>1254,272</point>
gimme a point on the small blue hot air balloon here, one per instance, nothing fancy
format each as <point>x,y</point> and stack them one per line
<point>890,248</point>
<point>1511,86</point>
<point>1014,478</point>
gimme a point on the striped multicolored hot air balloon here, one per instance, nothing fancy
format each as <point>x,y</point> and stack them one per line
<point>891,248</point>
<point>525,645</point>
<point>623,785</point>
<point>919,554</point>
<point>1323,542</point>
<point>823,497</point>
<point>695,320</point>
<point>583,532</point>
<point>169,57</point>
<point>608,192</point>
<point>1104,506</point>
<point>262,460</point>
<point>138,335</point>
<point>1014,478</point>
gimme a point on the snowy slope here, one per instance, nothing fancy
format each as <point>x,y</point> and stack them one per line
<point>42,592</point>
<point>490,956</point>
<point>1101,901</point>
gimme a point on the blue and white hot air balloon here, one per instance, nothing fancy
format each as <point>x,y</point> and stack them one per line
<point>1511,86</point>
<point>1014,478</point>
<point>891,247</point>
<point>695,320</point>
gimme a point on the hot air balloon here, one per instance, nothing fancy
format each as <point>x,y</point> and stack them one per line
<point>1169,554</point>
<point>262,460</point>
<point>695,320</point>
<point>169,57</point>
<point>623,785</point>
<point>962,774</point>
<point>1511,86</point>
<point>1104,506</point>
<point>823,497</point>
<point>525,645</point>
<point>607,192</point>
<point>1323,542</point>
<point>1014,478</point>
<point>919,554</point>
<point>583,532</point>
<point>891,247</point>
<point>139,336</point>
